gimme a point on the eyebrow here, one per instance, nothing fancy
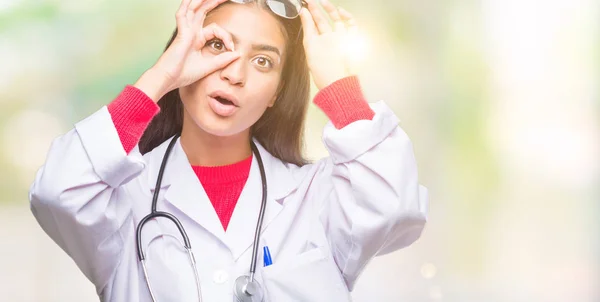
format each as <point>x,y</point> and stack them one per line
<point>259,47</point>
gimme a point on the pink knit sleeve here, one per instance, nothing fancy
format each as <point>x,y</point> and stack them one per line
<point>343,102</point>
<point>131,112</point>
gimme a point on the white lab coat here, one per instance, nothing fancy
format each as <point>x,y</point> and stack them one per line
<point>324,221</point>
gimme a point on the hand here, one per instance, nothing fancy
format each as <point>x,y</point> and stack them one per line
<point>323,44</point>
<point>183,63</point>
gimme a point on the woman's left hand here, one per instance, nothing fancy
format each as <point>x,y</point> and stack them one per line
<point>323,43</point>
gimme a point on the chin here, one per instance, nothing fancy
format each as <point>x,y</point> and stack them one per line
<point>216,125</point>
<point>205,118</point>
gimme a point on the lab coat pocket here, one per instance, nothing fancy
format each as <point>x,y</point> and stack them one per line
<point>310,276</point>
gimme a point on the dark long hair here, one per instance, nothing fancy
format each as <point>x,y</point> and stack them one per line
<point>280,130</point>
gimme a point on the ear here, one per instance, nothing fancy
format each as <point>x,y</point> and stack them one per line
<point>272,102</point>
<point>279,89</point>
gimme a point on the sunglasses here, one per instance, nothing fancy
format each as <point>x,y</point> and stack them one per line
<point>288,9</point>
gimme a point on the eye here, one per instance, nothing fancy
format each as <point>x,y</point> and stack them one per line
<point>264,62</point>
<point>216,44</point>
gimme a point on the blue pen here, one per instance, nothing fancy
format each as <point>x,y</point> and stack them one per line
<point>267,256</point>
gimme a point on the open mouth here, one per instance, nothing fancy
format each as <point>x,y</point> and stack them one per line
<point>223,104</point>
<point>224,101</point>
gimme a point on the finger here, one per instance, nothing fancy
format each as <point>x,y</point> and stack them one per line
<point>220,61</point>
<point>338,23</point>
<point>189,14</point>
<point>202,10</point>
<point>214,31</point>
<point>207,6</point>
<point>180,16</point>
<point>183,7</point>
<point>347,17</point>
<point>199,15</point>
<point>196,15</point>
<point>308,24</point>
<point>195,4</point>
<point>318,17</point>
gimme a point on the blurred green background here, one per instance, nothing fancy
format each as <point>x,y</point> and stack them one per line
<point>500,98</point>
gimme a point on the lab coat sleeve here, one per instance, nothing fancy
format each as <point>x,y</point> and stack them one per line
<point>77,195</point>
<point>372,203</point>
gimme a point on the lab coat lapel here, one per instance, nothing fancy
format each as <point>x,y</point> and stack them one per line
<point>185,192</point>
<point>242,226</point>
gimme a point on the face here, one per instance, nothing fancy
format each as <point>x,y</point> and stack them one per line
<point>250,81</point>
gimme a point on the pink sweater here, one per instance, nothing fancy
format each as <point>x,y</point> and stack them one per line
<point>132,110</point>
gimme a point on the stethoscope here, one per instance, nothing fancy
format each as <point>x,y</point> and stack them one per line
<point>246,288</point>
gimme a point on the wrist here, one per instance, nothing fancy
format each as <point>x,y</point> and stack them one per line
<point>154,85</point>
<point>332,78</point>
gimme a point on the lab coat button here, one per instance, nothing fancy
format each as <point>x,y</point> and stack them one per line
<point>220,276</point>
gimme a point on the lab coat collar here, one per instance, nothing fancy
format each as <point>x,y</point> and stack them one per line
<point>185,192</point>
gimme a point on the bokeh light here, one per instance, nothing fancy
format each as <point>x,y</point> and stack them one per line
<point>501,100</point>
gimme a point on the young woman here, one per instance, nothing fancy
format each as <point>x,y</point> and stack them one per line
<point>209,140</point>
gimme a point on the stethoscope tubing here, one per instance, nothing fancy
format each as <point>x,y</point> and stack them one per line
<point>186,241</point>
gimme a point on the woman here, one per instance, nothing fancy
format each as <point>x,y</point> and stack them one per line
<point>224,109</point>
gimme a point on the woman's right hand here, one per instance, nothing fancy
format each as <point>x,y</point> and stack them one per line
<point>183,62</point>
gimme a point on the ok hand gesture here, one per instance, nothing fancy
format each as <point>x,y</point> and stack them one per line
<point>183,63</point>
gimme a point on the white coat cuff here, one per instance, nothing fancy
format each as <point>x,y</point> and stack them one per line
<point>105,151</point>
<point>350,142</point>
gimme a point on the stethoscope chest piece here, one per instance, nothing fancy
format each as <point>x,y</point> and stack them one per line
<point>247,291</point>
<point>246,288</point>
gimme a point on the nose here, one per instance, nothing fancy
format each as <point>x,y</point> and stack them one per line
<point>235,72</point>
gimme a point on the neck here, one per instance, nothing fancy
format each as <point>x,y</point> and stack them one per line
<point>205,149</point>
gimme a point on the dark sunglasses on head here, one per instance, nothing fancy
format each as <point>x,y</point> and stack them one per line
<point>289,9</point>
